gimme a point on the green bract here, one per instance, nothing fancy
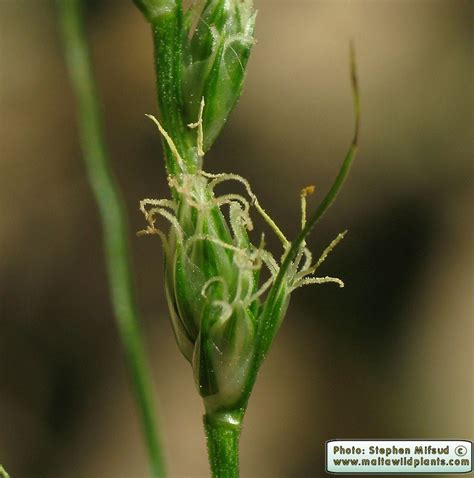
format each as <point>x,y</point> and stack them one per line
<point>215,59</point>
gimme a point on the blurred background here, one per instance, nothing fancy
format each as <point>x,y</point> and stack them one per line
<point>389,356</point>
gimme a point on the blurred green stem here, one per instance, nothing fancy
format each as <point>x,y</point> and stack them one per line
<point>114,223</point>
<point>3,473</point>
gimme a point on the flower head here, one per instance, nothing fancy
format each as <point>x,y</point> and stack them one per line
<point>218,281</point>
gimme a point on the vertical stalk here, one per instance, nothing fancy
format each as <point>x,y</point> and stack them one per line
<point>223,446</point>
<point>167,41</point>
<point>114,223</point>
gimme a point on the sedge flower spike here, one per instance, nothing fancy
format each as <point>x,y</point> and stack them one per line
<point>227,294</point>
<point>217,280</point>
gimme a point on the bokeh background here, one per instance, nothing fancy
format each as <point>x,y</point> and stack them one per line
<point>389,356</point>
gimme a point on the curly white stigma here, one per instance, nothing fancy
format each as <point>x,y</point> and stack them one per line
<point>198,191</point>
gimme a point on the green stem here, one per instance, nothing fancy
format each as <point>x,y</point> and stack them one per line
<point>223,435</point>
<point>114,223</point>
<point>166,18</point>
<point>167,40</point>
